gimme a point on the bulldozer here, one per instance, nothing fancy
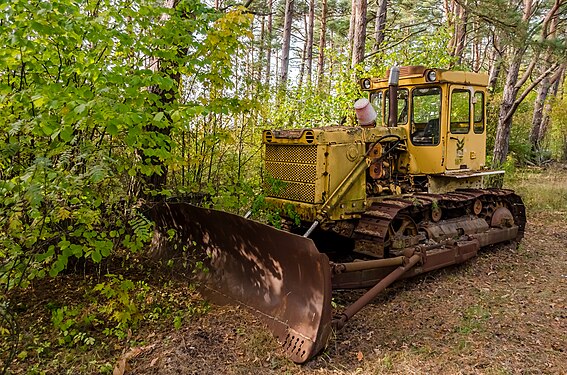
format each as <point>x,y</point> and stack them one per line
<point>399,194</point>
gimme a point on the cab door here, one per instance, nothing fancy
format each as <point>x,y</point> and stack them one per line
<point>466,138</point>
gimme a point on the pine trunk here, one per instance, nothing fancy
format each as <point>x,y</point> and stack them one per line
<point>322,43</point>
<point>351,27</point>
<point>310,27</point>
<point>502,141</point>
<point>495,64</point>
<point>269,44</point>
<point>555,81</point>
<point>286,40</point>
<point>380,25</point>
<point>359,33</point>
<point>461,19</point>
<point>537,119</point>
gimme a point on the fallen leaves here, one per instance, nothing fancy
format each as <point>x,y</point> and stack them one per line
<point>121,366</point>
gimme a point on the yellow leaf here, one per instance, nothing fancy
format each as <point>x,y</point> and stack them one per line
<point>63,213</point>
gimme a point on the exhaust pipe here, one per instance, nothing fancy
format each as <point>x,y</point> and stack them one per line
<point>393,82</point>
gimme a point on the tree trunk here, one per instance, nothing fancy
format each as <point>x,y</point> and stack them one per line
<point>554,83</point>
<point>512,86</point>
<point>269,43</point>
<point>495,64</point>
<point>380,25</point>
<point>502,141</point>
<point>539,125</point>
<point>537,118</point>
<point>476,45</point>
<point>359,42</point>
<point>286,40</point>
<point>310,27</point>
<point>303,54</point>
<point>322,43</point>
<point>262,49</point>
<point>157,181</point>
<point>460,31</point>
<point>351,27</point>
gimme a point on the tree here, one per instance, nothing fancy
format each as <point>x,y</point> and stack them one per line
<point>359,33</point>
<point>286,40</point>
<point>542,108</point>
<point>380,24</point>
<point>513,83</point>
<point>322,43</point>
<point>309,42</point>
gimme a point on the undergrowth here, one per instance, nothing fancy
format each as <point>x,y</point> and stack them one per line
<point>542,189</point>
<point>83,322</point>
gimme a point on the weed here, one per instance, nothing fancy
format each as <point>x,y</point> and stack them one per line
<point>69,321</point>
<point>121,306</point>
<point>387,362</point>
<point>473,320</point>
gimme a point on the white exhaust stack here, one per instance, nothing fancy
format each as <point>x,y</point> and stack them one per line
<point>365,112</point>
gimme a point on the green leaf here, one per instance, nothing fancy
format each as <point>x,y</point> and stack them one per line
<point>96,256</point>
<point>158,117</point>
<point>80,108</point>
<point>112,129</point>
<point>66,133</point>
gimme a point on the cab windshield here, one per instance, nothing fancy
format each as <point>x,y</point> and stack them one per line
<point>426,111</point>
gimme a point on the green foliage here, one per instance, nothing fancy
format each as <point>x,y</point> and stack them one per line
<point>90,124</point>
<point>68,322</point>
<point>428,48</point>
<point>120,303</point>
<point>557,140</point>
<point>115,307</point>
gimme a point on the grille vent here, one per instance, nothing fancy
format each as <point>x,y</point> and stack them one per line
<point>296,167</point>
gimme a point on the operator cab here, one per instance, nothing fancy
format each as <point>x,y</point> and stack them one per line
<point>443,114</point>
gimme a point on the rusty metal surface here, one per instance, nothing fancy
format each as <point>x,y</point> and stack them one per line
<point>285,280</point>
<point>278,275</point>
<point>487,216</point>
<point>366,264</point>
<point>365,299</point>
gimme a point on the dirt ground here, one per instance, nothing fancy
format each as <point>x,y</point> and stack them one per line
<point>504,312</point>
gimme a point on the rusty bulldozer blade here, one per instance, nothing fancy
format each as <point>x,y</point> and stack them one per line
<point>280,276</point>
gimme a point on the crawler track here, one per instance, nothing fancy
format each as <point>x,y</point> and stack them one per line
<point>398,222</point>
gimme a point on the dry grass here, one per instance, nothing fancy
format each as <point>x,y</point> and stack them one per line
<point>541,189</point>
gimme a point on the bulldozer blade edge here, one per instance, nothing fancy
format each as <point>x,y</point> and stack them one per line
<point>280,276</point>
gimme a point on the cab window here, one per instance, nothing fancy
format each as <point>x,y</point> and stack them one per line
<point>402,107</point>
<point>460,111</point>
<point>426,110</point>
<point>376,100</point>
<point>478,103</point>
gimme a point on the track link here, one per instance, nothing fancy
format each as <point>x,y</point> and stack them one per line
<point>395,222</point>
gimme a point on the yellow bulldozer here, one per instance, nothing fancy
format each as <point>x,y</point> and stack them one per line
<point>400,194</point>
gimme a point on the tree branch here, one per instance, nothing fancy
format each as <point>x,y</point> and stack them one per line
<point>527,73</point>
<point>527,91</point>
<point>397,43</point>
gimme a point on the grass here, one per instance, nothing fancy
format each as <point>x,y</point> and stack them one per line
<point>541,189</point>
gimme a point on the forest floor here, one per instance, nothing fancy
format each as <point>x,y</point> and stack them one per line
<point>504,312</point>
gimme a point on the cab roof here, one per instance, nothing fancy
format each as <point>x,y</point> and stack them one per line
<point>419,75</point>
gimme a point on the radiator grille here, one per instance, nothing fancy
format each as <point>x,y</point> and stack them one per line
<point>296,167</point>
<point>292,154</point>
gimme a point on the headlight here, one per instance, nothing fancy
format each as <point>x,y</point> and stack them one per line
<point>366,84</point>
<point>431,76</point>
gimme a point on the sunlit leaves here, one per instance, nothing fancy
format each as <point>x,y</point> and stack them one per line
<point>92,97</point>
